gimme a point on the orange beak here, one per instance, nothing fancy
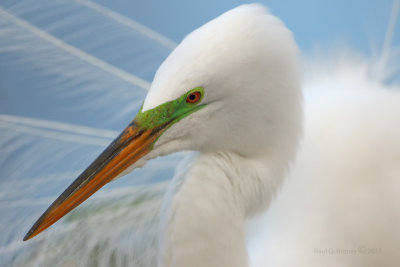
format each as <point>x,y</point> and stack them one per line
<point>130,146</point>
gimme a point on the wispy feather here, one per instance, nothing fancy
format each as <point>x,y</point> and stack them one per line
<point>72,75</point>
<point>65,64</point>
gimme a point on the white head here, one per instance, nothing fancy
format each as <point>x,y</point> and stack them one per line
<point>249,103</point>
<point>247,62</point>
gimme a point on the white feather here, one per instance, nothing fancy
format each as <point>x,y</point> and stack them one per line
<point>337,208</point>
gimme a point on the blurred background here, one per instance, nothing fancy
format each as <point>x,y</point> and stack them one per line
<point>73,73</point>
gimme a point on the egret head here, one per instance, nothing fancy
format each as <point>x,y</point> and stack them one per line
<point>246,63</point>
<point>231,85</point>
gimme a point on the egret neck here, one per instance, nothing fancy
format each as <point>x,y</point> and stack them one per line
<point>205,209</point>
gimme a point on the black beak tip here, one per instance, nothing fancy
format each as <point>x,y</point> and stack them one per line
<point>26,237</point>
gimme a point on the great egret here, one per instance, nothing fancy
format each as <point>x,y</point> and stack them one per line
<point>231,91</point>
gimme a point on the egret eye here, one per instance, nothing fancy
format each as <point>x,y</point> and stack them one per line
<point>193,97</point>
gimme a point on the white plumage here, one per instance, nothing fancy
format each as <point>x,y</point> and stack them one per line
<point>247,134</point>
<point>338,206</point>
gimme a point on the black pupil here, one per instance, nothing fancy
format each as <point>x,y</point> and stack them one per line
<point>192,97</point>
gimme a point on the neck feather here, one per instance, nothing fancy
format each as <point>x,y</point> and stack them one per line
<point>206,206</point>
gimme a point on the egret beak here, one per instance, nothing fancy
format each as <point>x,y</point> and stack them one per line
<point>131,145</point>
